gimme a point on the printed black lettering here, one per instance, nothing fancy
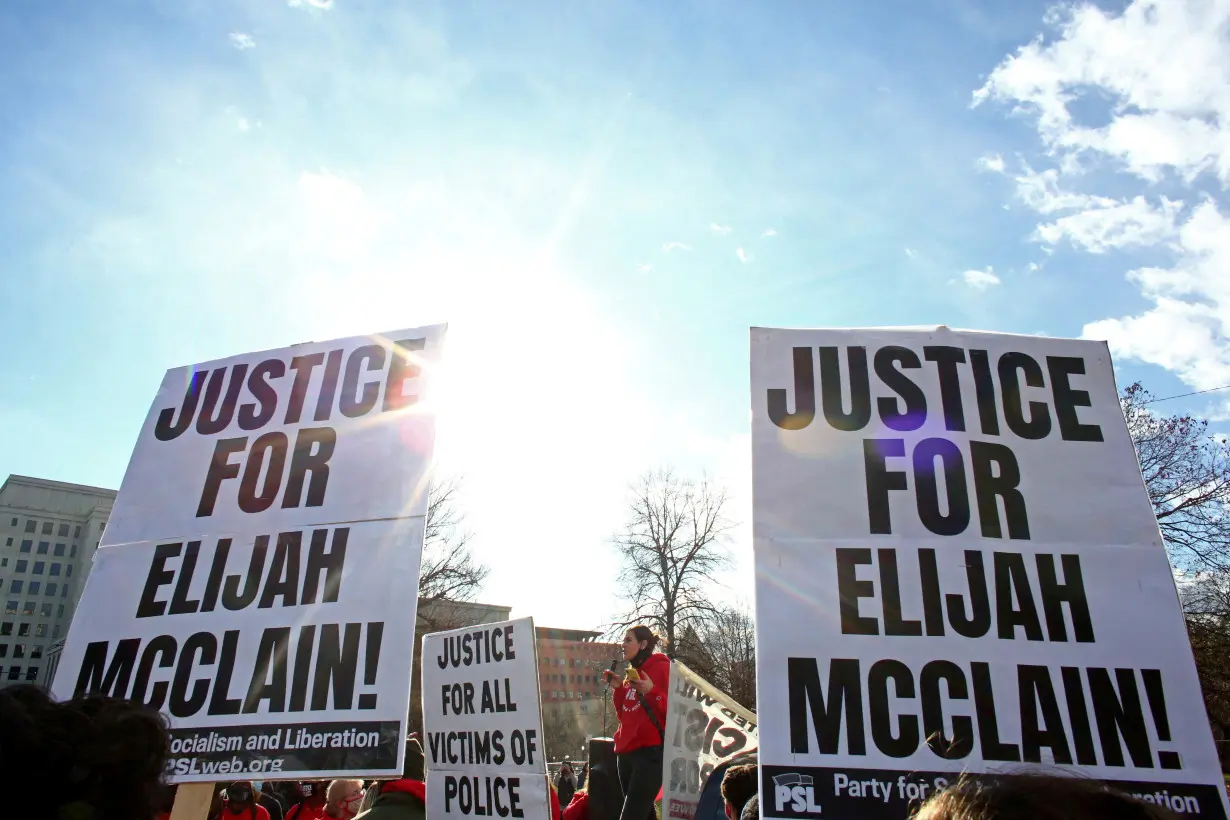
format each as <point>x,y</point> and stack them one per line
<point>181,604</point>
<point>887,360</point>
<point>998,476</point>
<point>219,703</point>
<point>933,600</point>
<point>232,598</point>
<point>283,578</point>
<point>182,703</point>
<point>1070,592</point>
<point>1078,715</point>
<point>402,368</point>
<point>904,741</point>
<point>1067,399</point>
<point>926,491</point>
<point>98,677</point>
<point>962,741</point>
<point>1118,713</point>
<point>328,386</point>
<point>806,700</point>
<point>881,480</point>
<point>984,390</point>
<point>303,667</point>
<point>978,622</point>
<point>352,403</point>
<point>946,360</point>
<point>269,673</point>
<point>330,562</point>
<point>250,417</point>
<point>337,660</point>
<point>890,596</point>
<point>988,723</point>
<point>1012,582</point>
<point>220,469</point>
<point>1036,692</point>
<point>212,418</point>
<point>831,392</point>
<point>804,395</point>
<point>850,589</point>
<point>303,367</point>
<point>1039,422</point>
<point>313,449</point>
<point>213,585</point>
<point>250,499</point>
<point>164,429</point>
<point>162,650</point>
<point>159,576</point>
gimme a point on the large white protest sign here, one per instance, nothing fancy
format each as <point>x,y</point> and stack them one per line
<point>704,729</point>
<point>483,721</point>
<point>958,569</point>
<point>276,636</point>
<point>319,433</point>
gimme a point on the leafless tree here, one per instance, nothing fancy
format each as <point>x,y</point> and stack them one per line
<point>448,572</point>
<point>1187,472</point>
<point>672,545</point>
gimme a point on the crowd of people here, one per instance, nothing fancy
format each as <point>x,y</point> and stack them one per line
<point>101,758</point>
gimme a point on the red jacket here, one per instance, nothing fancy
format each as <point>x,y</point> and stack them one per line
<point>578,809</point>
<point>636,730</point>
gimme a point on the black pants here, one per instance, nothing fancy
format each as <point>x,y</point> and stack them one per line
<point>640,777</point>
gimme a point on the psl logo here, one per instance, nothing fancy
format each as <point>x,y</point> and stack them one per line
<point>797,791</point>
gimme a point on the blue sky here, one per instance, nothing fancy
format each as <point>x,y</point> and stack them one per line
<point>600,198</point>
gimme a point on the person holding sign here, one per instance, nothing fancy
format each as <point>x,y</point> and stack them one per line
<point>640,705</point>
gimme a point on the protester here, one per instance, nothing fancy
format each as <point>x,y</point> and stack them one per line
<point>640,706</point>
<point>1036,797</point>
<point>578,809</point>
<point>342,799</point>
<point>270,800</point>
<point>565,783</point>
<point>242,803</point>
<point>751,810</point>
<point>92,756</point>
<point>312,804</point>
<point>404,799</point>
<point>739,785</point>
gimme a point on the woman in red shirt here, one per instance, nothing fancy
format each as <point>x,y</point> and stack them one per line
<point>640,705</point>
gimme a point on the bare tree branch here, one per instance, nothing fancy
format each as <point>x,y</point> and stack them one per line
<point>671,547</point>
<point>449,571</point>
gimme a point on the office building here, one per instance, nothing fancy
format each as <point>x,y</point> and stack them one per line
<point>570,663</point>
<point>48,533</point>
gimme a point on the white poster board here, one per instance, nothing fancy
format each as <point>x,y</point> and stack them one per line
<point>483,723</point>
<point>958,569</point>
<point>704,729</point>
<point>258,580</point>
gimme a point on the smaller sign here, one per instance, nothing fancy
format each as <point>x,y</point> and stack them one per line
<point>483,722</point>
<point>704,729</point>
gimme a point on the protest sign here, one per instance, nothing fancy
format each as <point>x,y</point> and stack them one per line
<point>277,637</point>
<point>483,722</point>
<point>313,434</point>
<point>958,570</point>
<point>704,729</point>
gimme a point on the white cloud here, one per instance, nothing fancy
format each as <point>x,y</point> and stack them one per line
<point>675,246</point>
<point>242,124</point>
<point>1034,266</point>
<point>768,233</point>
<point>743,255</point>
<point>1116,93</point>
<point>720,230</point>
<point>991,162</point>
<point>323,5</point>
<point>911,253</point>
<point>644,267</point>
<point>980,279</point>
<point>242,41</point>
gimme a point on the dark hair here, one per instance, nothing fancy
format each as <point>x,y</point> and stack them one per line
<point>103,752</point>
<point>640,633</point>
<point>1036,797</point>
<point>752,810</point>
<point>739,785</point>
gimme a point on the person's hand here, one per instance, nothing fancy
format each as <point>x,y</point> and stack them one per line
<point>608,676</point>
<point>642,685</point>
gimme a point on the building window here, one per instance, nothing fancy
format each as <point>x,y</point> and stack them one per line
<point>13,523</point>
<point>39,566</point>
<point>51,589</point>
<point>62,531</point>
<point>61,615</point>
<point>8,542</point>
<point>64,591</point>
<point>14,672</point>
<point>6,628</point>
<point>77,531</point>
<point>21,565</point>
<point>4,650</point>
<point>32,673</point>
<point>40,631</point>
<point>59,550</point>
<point>27,607</point>
<point>72,551</point>
<point>15,587</point>
<point>4,562</point>
<point>68,571</point>
<point>47,526</point>
<point>102,526</point>
<point>19,650</point>
<point>10,607</point>
<point>31,525</point>
<point>26,545</point>
<point>35,586</point>
<point>43,546</point>
<point>36,652</point>
<point>55,570</point>
<point>23,630</point>
<point>55,631</point>
<point>46,610</point>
